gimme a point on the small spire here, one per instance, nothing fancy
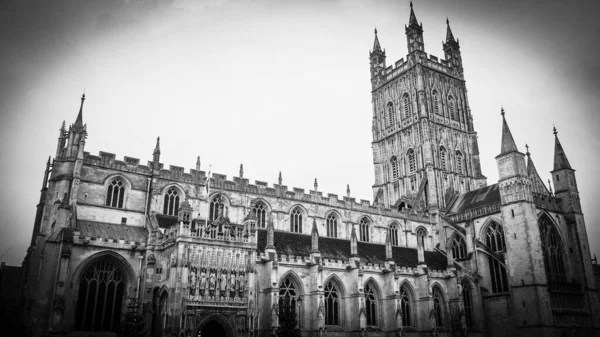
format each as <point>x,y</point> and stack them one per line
<point>508,142</point>
<point>560,157</point>
<point>376,44</point>
<point>63,127</point>
<point>527,147</point>
<point>353,242</point>
<point>270,235</point>
<point>449,35</point>
<point>314,237</point>
<point>550,187</point>
<point>388,246</point>
<point>198,164</point>
<point>79,120</point>
<point>554,132</point>
<point>157,148</point>
<point>316,185</point>
<point>413,17</point>
<point>241,170</point>
<point>280,179</point>
<point>348,190</point>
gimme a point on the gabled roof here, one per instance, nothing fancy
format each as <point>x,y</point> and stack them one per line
<point>487,195</point>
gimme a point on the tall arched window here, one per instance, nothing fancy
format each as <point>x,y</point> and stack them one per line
<point>405,304</point>
<point>459,247</point>
<point>421,236</point>
<point>394,234</point>
<point>553,251</point>
<point>260,211</point>
<point>100,297</point>
<point>217,204</point>
<point>288,296</point>
<point>494,239</point>
<point>115,194</point>
<point>364,229</point>
<point>407,107</point>
<point>436,103</point>
<point>171,203</point>
<point>296,220</point>
<point>395,171</point>
<point>438,306</point>
<point>332,305</point>
<point>332,225</point>
<point>371,305</point>
<point>412,164</point>
<point>451,108</point>
<point>443,158</point>
<point>459,162</point>
<point>467,297</point>
<point>391,114</point>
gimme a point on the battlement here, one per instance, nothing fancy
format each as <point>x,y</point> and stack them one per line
<point>401,66</point>
<point>547,202</point>
<point>220,181</point>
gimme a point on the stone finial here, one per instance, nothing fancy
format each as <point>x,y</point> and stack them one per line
<point>527,150</point>
<point>280,179</point>
<point>198,164</point>
<point>316,185</point>
<point>157,147</point>
<point>550,187</point>
<point>241,170</point>
<point>314,237</point>
<point>348,190</point>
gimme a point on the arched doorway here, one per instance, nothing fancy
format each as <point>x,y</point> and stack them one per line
<point>212,329</point>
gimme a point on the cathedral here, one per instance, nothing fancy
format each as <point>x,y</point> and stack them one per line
<point>438,252</point>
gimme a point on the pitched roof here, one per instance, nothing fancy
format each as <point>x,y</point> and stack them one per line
<point>111,231</point>
<point>538,184</point>
<point>339,249</point>
<point>413,18</point>
<point>487,195</point>
<point>165,221</point>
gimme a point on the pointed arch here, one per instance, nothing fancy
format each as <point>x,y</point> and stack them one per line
<point>487,222</point>
<point>333,295</point>
<point>262,211</point>
<point>391,114</point>
<point>460,162</point>
<point>406,101</point>
<point>443,158</point>
<point>458,246</point>
<point>333,277</point>
<point>553,249</point>
<point>439,304</point>
<point>219,319</point>
<point>290,292</point>
<point>218,201</point>
<point>467,298</point>
<point>395,168</point>
<point>372,295</point>
<point>117,186</point>
<point>407,301</point>
<point>394,228</point>
<point>411,161</point>
<point>294,277</point>
<point>452,113</point>
<point>364,228</point>
<point>173,196</point>
<point>298,217</point>
<point>332,219</point>
<point>435,100</point>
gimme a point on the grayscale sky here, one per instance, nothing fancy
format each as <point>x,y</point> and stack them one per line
<point>280,86</point>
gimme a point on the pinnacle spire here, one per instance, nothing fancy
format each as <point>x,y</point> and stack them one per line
<point>449,35</point>
<point>198,164</point>
<point>560,158</point>
<point>280,180</point>
<point>79,120</point>
<point>538,184</point>
<point>508,142</point>
<point>376,45</point>
<point>157,148</point>
<point>241,170</point>
<point>316,184</point>
<point>413,17</point>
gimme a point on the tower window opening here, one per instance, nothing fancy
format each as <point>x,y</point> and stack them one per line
<point>553,251</point>
<point>467,297</point>
<point>261,214</point>
<point>364,230</point>
<point>115,194</point>
<point>405,305</point>
<point>395,168</point>
<point>371,305</point>
<point>443,158</point>
<point>438,306</point>
<point>459,162</point>
<point>332,305</point>
<point>459,247</point>
<point>394,234</point>
<point>217,204</point>
<point>451,108</point>
<point>332,225</point>
<point>407,107</point>
<point>391,114</point>
<point>412,165</point>
<point>296,221</point>
<point>171,202</point>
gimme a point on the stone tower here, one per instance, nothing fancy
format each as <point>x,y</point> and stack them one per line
<point>424,144</point>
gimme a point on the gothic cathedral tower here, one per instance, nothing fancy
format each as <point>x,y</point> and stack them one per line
<point>424,144</point>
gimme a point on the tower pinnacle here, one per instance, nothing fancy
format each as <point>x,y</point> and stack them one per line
<point>449,35</point>
<point>376,44</point>
<point>560,158</point>
<point>508,142</point>
<point>79,120</point>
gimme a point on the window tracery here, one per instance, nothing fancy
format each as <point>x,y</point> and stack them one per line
<point>288,296</point>
<point>405,305</point>
<point>412,165</point>
<point>438,306</point>
<point>364,229</point>
<point>459,162</point>
<point>407,107</point>
<point>371,305</point>
<point>217,204</point>
<point>495,242</point>
<point>391,114</point>
<point>395,170</point>
<point>171,202</point>
<point>394,234</point>
<point>467,297</point>
<point>332,305</point>
<point>296,221</point>
<point>443,158</point>
<point>459,247</point>
<point>260,212</point>
<point>115,193</point>
<point>553,251</point>
<point>332,225</point>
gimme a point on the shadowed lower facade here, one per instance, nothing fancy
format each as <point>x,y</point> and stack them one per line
<point>437,252</point>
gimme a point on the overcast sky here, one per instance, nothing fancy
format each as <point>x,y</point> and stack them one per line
<point>279,86</point>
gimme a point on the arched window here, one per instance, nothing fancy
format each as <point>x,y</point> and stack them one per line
<point>494,239</point>
<point>296,220</point>
<point>171,204</point>
<point>260,211</point>
<point>391,114</point>
<point>217,204</point>
<point>115,193</point>
<point>467,297</point>
<point>451,108</point>
<point>364,229</point>
<point>459,162</point>
<point>332,225</point>
<point>459,247</point>
<point>436,103</point>
<point>288,296</point>
<point>332,305</point>
<point>407,107</point>
<point>371,305</point>
<point>421,235</point>
<point>412,164</point>
<point>438,306</point>
<point>100,297</point>
<point>553,251</point>
<point>394,234</point>
<point>442,158</point>
<point>406,306</point>
<point>395,171</point>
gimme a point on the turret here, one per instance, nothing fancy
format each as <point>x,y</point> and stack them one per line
<point>452,50</point>
<point>377,59</point>
<point>414,33</point>
<point>563,176</point>
<point>156,154</point>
